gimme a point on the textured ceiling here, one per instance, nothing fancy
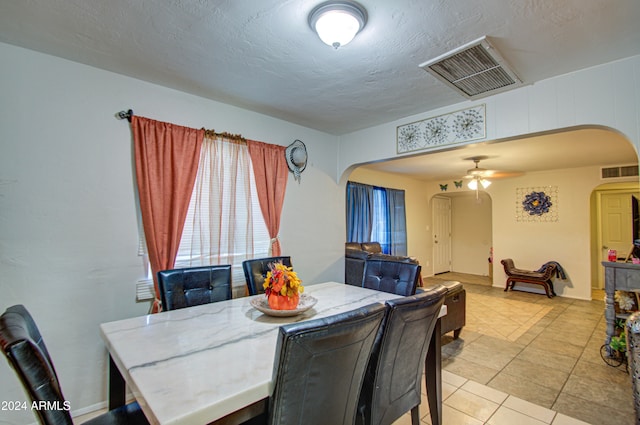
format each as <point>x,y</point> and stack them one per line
<point>262,56</point>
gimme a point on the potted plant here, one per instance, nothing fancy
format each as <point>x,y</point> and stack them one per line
<point>615,353</point>
<point>619,341</point>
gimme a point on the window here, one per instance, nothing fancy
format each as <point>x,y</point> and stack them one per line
<point>377,214</point>
<point>224,224</point>
<point>380,231</point>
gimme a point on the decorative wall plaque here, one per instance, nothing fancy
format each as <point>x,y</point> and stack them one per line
<point>455,127</point>
<point>537,204</point>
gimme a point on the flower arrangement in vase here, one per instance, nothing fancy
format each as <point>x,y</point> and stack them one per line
<point>283,287</point>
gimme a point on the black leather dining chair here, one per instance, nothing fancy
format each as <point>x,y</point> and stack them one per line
<point>180,288</point>
<point>319,367</point>
<point>396,277</point>
<point>393,379</point>
<point>255,271</point>
<point>27,354</point>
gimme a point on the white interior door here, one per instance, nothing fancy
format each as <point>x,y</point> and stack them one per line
<point>441,213</point>
<point>617,224</point>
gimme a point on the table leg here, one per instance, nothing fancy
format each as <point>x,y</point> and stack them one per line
<point>609,303</point>
<point>117,386</point>
<point>433,375</point>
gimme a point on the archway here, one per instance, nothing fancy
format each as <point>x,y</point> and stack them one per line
<point>568,241</point>
<point>471,232</point>
<point>624,217</point>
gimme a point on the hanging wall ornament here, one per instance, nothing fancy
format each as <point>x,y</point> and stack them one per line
<point>296,155</point>
<point>537,204</point>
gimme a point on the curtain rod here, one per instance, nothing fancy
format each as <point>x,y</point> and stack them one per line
<point>210,133</point>
<point>230,137</point>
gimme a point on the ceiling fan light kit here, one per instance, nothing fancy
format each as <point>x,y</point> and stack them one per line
<point>337,22</point>
<point>477,175</point>
<point>477,182</point>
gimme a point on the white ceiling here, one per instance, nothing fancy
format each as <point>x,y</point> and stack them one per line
<point>261,55</point>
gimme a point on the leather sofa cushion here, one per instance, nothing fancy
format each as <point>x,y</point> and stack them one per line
<point>353,245</point>
<point>372,247</point>
<point>356,254</point>
<point>385,257</point>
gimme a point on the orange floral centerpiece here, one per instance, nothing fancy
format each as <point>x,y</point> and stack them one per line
<point>283,287</point>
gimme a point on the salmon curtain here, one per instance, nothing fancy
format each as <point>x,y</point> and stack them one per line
<point>271,174</point>
<point>167,157</point>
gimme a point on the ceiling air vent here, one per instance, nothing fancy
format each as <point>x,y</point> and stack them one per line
<point>615,172</point>
<point>474,70</point>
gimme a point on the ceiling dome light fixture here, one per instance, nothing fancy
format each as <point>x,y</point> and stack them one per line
<point>337,22</point>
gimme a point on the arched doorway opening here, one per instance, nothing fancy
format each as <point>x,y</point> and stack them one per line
<point>576,156</point>
<point>615,224</point>
<point>462,233</point>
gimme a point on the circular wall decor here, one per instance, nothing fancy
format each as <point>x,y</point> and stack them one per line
<point>537,203</point>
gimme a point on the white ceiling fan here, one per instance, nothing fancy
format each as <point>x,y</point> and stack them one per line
<point>479,177</point>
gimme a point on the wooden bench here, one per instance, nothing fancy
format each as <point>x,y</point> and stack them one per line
<point>527,276</point>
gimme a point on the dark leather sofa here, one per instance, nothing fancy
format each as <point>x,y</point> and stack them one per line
<point>357,253</point>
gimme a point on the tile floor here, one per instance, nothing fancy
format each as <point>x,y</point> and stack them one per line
<point>526,359</point>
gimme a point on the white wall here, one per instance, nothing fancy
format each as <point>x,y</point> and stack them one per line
<point>607,95</point>
<point>531,244</point>
<point>68,229</point>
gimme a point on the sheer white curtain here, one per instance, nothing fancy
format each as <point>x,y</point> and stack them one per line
<point>224,224</point>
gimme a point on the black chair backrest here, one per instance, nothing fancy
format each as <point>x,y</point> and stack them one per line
<point>396,277</point>
<point>255,271</point>
<point>26,352</point>
<point>393,379</point>
<point>180,288</point>
<point>319,367</point>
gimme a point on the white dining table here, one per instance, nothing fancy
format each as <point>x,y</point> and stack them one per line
<point>211,362</point>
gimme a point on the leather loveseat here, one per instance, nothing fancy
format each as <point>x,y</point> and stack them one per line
<point>357,253</point>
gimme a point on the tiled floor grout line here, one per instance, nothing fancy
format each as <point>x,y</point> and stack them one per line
<point>595,328</point>
<point>555,400</point>
<point>501,404</point>
<point>511,361</point>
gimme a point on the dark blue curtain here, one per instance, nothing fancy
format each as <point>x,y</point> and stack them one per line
<point>377,214</point>
<point>359,212</point>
